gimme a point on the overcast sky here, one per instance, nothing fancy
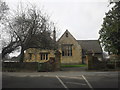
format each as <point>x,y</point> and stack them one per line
<point>83,18</point>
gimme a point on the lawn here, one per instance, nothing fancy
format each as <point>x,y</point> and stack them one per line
<point>81,65</point>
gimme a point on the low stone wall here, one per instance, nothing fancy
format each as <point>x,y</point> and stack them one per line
<point>47,66</point>
<point>18,66</point>
<point>113,62</point>
<point>29,66</point>
<point>94,64</point>
<point>52,65</point>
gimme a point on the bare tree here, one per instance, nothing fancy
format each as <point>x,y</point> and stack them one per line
<point>29,28</point>
<point>3,9</point>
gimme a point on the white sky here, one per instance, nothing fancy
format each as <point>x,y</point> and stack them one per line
<point>83,18</point>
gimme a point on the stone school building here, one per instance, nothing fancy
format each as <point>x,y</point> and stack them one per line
<point>72,51</point>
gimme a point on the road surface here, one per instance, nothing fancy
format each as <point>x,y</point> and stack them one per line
<point>60,79</point>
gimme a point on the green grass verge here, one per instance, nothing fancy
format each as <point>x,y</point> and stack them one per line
<point>81,65</point>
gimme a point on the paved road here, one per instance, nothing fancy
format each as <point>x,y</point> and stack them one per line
<point>67,80</point>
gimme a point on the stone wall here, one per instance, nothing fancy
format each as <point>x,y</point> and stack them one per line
<point>36,55</point>
<point>113,62</point>
<point>53,64</point>
<point>93,63</point>
<point>17,66</point>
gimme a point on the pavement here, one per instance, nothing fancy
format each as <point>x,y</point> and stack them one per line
<point>74,68</point>
<point>61,79</point>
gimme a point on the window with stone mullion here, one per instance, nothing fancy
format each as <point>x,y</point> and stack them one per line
<point>67,50</point>
<point>44,56</point>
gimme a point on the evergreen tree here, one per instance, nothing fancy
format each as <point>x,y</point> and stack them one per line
<point>110,31</point>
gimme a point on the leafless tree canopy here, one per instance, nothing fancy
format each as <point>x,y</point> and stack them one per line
<point>29,28</point>
<point>3,9</point>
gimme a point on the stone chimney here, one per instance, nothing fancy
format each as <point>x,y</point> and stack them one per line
<point>54,35</point>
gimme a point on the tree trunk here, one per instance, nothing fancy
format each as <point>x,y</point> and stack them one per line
<point>22,54</point>
<point>10,47</point>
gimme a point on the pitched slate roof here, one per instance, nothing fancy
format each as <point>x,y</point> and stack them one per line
<point>90,45</point>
